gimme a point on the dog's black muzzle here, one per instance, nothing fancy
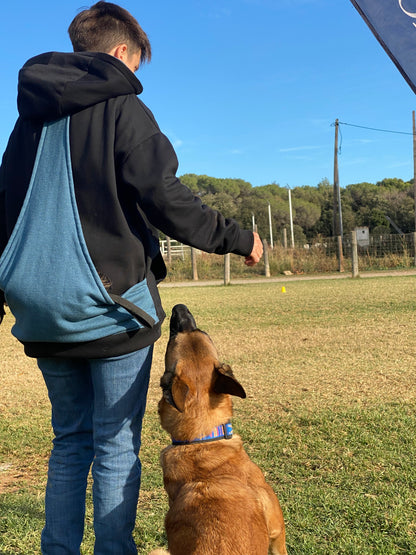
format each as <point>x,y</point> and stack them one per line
<point>181,320</point>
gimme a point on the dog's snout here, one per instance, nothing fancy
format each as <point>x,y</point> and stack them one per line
<point>181,320</point>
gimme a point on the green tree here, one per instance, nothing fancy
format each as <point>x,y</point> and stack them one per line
<point>223,202</point>
<point>363,204</point>
<point>393,183</point>
<point>306,213</point>
<point>323,226</point>
<point>191,181</point>
<point>399,206</point>
<point>364,199</point>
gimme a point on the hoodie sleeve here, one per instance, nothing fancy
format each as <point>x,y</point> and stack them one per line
<point>150,167</point>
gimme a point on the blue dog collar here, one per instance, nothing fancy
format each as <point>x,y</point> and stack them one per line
<point>223,431</point>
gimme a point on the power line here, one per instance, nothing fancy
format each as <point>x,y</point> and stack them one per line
<point>374,129</point>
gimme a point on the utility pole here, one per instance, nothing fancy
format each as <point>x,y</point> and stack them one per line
<point>414,164</point>
<point>292,236</point>
<point>270,226</point>
<point>337,221</point>
<point>414,184</point>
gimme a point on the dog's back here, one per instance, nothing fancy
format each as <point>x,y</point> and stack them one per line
<point>219,501</point>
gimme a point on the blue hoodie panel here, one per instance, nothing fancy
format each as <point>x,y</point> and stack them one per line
<point>50,282</point>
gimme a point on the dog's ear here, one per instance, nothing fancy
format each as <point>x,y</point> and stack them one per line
<point>180,392</point>
<point>225,382</point>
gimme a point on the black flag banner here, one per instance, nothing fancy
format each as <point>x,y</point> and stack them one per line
<point>393,22</point>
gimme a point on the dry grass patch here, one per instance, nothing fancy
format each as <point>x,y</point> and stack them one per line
<point>328,367</point>
<point>24,416</point>
<point>335,341</point>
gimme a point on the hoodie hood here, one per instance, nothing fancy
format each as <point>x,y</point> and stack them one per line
<point>55,84</point>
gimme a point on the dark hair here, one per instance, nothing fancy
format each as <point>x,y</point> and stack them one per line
<point>104,26</point>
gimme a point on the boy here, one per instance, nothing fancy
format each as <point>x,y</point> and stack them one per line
<point>118,175</point>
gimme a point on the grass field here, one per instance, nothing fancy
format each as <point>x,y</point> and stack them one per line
<point>329,369</point>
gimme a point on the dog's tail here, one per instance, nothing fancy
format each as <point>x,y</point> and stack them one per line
<point>159,552</point>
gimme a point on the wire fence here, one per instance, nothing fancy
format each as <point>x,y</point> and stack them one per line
<point>374,246</point>
<point>323,255</point>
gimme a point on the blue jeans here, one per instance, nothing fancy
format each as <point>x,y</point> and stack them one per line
<point>97,412</point>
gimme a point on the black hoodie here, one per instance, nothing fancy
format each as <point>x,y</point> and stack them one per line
<point>125,181</point>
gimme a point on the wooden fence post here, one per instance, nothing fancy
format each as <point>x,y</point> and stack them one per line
<point>194,266</point>
<point>354,254</point>
<point>284,238</point>
<point>340,254</point>
<point>414,247</point>
<point>168,251</point>
<point>227,269</point>
<point>266,258</point>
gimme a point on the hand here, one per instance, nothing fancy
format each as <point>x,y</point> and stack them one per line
<point>257,251</point>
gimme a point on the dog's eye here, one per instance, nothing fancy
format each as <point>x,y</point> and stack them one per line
<point>167,395</point>
<point>166,380</point>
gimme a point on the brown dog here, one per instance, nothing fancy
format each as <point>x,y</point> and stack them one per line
<point>219,502</point>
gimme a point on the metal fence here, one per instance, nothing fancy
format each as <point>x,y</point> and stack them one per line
<point>376,246</point>
<point>326,255</point>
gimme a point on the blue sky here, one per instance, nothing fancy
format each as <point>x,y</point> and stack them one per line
<point>248,88</point>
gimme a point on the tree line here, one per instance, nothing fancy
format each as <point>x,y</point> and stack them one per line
<point>374,205</point>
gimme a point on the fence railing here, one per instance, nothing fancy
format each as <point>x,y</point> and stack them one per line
<point>173,249</point>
